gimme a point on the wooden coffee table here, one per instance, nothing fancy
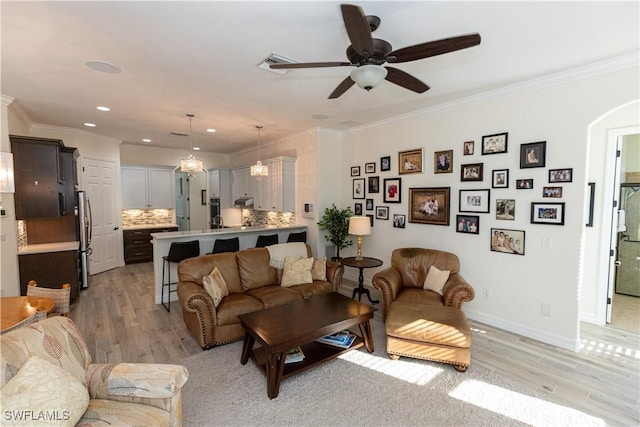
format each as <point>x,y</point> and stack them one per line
<point>278,329</point>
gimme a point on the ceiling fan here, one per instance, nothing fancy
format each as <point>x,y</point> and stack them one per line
<point>368,54</point>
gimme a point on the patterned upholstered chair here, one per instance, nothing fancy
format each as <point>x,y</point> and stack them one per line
<point>46,366</point>
<point>60,296</point>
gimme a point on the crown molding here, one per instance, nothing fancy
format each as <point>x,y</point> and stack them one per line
<point>17,110</point>
<point>74,131</point>
<point>6,99</point>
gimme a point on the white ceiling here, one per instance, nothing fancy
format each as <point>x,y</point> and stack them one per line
<point>202,58</point>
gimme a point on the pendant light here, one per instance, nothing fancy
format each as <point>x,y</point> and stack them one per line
<point>259,169</point>
<point>190,164</point>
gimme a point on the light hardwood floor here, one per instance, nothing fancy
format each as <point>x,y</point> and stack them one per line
<point>121,323</point>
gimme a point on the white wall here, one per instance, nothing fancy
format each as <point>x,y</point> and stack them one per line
<point>517,285</point>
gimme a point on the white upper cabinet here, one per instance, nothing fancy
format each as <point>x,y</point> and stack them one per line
<point>241,183</point>
<point>148,188</point>
<point>276,191</point>
<point>220,186</point>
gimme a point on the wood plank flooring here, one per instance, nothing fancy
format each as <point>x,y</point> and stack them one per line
<point>120,322</point>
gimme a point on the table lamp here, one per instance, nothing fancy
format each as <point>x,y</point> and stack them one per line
<point>359,226</point>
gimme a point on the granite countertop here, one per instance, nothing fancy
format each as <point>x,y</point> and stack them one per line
<point>43,248</point>
<point>146,226</point>
<point>229,230</point>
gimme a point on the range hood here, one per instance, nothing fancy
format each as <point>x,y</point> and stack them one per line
<point>243,202</point>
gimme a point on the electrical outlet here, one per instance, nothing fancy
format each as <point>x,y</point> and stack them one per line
<point>485,293</point>
<point>547,242</point>
<point>545,309</point>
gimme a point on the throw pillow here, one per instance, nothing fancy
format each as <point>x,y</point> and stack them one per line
<point>216,286</point>
<point>296,271</point>
<point>43,394</point>
<point>436,279</point>
<point>319,269</point>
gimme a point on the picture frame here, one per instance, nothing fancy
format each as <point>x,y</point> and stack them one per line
<point>506,209</point>
<point>524,184</point>
<point>467,148</point>
<point>474,200</point>
<point>429,205</point>
<point>443,161</point>
<point>533,155</point>
<point>591,189</point>
<point>392,190</point>
<point>373,184</point>
<point>370,216</point>
<point>357,209</point>
<point>370,167</point>
<point>547,213</point>
<point>471,172</point>
<point>410,161</point>
<point>495,144</point>
<point>358,189</point>
<point>385,163</point>
<point>515,241</point>
<point>554,192</point>
<point>368,204</point>
<point>399,220</point>
<point>355,170</point>
<point>382,212</point>
<point>561,175</point>
<point>500,178</point>
<point>468,224</point>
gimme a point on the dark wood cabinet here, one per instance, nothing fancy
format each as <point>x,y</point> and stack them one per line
<point>68,179</point>
<point>137,243</point>
<point>50,270</point>
<point>38,181</point>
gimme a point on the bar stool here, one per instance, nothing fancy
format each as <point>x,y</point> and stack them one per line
<point>297,237</point>
<point>267,240</point>
<point>226,245</point>
<point>178,251</point>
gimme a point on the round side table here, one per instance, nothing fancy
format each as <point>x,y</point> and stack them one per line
<point>365,262</point>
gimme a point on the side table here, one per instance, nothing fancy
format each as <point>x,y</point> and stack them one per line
<point>365,262</point>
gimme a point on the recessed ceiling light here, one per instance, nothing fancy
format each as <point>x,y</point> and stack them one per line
<point>103,66</point>
<point>210,130</point>
<point>196,148</point>
<point>146,140</point>
<point>103,108</point>
<point>90,125</point>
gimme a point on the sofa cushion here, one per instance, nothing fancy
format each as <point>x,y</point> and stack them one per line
<point>216,286</point>
<point>436,279</point>
<point>194,269</point>
<point>102,413</point>
<point>413,264</point>
<point>47,393</point>
<point>233,305</point>
<point>271,296</point>
<point>255,271</point>
<point>428,323</point>
<point>319,269</point>
<point>296,271</point>
<point>318,287</point>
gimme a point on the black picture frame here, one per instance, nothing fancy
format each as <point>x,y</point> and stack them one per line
<point>368,204</point>
<point>561,175</point>
<point>468,224</point>
<point>385,163</point>
<point>392,190</point>
<point>524,184</point>
<point>547,213</point>
<point>471,172</point>
<point>468,148</point>
<point>382,212</point>
<point>373,184</point>
<point>533,155</point>
<point>495,144</point>
<point>399,220</point>
<point>370,216</point>
<point>516,239</point>
<point>591,199</point>
<point>500,178</point>
<point>358,190</point>
<point>476,200</point>
<point>370,167</point>
<point>552,192</point>
<point>357,209</point>
<point>506,209</point>
<point>355,170</point>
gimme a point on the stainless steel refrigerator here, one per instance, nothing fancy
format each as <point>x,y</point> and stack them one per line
<point>84,223</point>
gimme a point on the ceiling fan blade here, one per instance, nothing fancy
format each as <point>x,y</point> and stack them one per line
<point>342,88</point>
<point>310,65</point>
<point>358,28</point>
<point>438,47</point>
<point>405,80</point>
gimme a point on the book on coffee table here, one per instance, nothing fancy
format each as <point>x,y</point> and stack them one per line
<point>342,339</point>
<point>294,355</point>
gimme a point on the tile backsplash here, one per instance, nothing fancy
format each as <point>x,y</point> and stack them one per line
<point>138,217</point>
<point>268,218</point>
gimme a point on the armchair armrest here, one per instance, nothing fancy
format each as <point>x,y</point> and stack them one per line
<point>457,291</point>
<point>198,312</point>
<point>388,282</point>
<point>335,270</point>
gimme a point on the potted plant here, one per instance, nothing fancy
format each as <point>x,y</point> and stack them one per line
<point>335,222</point>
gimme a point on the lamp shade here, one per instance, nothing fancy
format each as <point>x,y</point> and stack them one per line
<point>7,184</point>
<point>359,225</point>
<point>368,76</point>
<point>190,164</point>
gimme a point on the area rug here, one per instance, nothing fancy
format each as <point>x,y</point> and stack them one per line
<point>362,389</point>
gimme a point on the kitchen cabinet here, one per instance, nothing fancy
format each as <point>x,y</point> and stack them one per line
<point>220,187</point>
<point>137,243</point>
<point>50,270</point>
<point>148,188</point>
<point>36,163</point>
<point>276,191</point>
<point>241,183</point>
<point>69,180</point>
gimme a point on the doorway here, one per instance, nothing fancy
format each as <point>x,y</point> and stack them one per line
<point>192,203</point>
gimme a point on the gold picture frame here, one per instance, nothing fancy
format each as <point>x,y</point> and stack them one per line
<point>410,161</point>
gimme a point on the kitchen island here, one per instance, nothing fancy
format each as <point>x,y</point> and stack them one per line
<point>247,236</point>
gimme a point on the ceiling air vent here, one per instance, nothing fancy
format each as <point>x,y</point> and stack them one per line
<point>275,58</point>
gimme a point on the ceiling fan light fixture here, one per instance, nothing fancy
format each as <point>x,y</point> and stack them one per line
<point>368,76</point>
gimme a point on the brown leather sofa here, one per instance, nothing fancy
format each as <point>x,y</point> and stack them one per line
<point>421,323</point>
<point>253,285</point>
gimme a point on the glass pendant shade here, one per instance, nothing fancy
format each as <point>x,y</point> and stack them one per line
<point>190,164</point>
<point>368,76</point>
<point>259,169</point>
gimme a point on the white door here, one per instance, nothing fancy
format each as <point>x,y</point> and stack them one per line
<point>99,181</point>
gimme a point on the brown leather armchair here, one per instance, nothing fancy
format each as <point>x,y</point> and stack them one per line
<point>422,323</point>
